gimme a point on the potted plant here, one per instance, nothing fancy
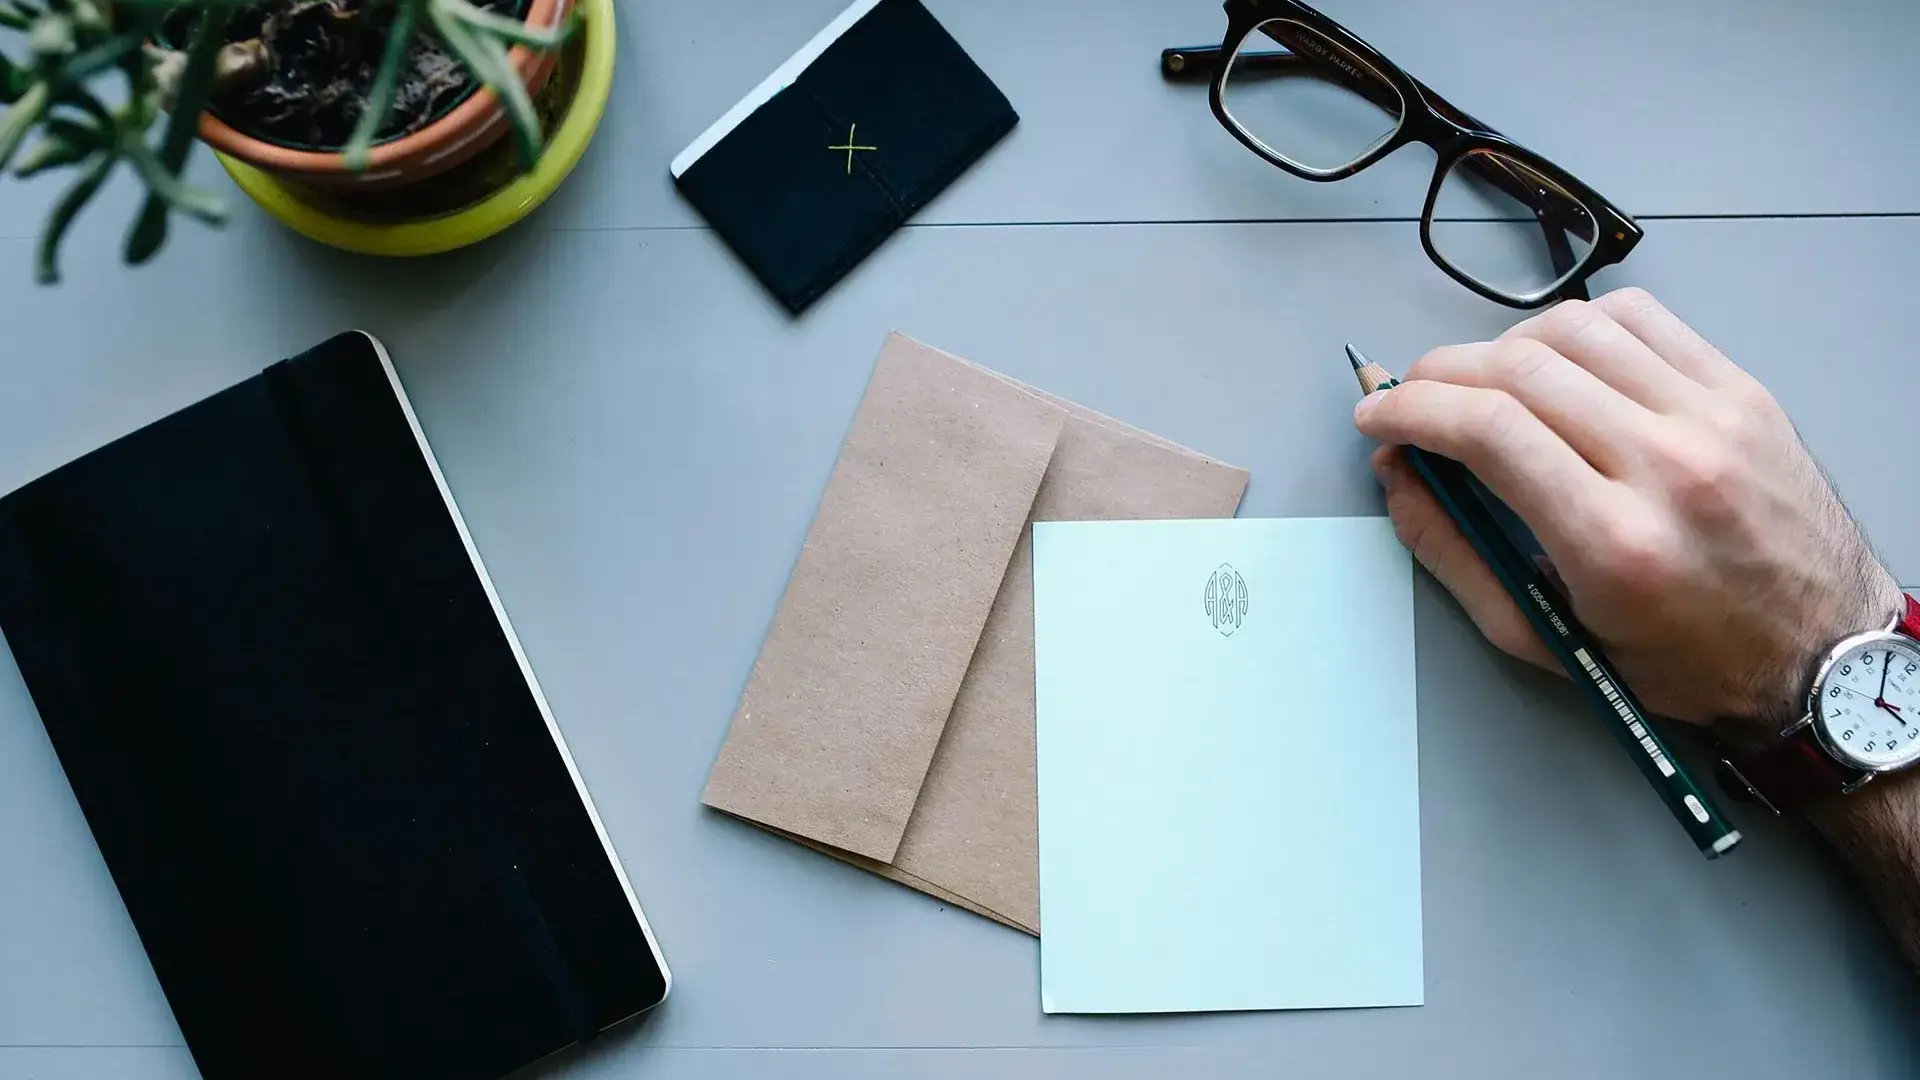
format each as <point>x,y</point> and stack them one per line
<point>388,126</point>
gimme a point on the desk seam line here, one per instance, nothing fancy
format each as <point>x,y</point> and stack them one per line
<point>1842,215</point>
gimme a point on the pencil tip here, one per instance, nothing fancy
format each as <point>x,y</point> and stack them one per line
<point>1354,357</point>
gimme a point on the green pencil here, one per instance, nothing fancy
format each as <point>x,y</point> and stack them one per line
<point>1469,504</point>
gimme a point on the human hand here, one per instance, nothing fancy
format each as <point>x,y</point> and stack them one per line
<point>1697,539</point>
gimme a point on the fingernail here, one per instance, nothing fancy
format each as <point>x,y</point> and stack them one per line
<point>1384,472</point>
<point>1362,407</point>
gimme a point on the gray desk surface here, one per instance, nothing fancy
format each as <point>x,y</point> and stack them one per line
<point>637,437</point>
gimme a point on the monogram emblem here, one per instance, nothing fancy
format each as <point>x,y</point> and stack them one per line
<point>1226,600</point>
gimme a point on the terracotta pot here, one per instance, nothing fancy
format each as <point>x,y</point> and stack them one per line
<point>472,126</point>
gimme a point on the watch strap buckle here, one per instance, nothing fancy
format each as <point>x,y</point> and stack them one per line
<point>1738,787</point>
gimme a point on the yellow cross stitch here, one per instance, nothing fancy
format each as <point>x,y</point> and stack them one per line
<point>850,147</point>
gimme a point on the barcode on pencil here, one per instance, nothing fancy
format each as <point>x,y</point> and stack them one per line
<point>1620,706</point>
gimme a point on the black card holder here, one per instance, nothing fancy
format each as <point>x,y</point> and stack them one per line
<point>815,178</point>
<point>798,229</point>
<point>907,87</point>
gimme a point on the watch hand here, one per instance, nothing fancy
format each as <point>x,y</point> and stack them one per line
<point>1880,699</point>
<point>1878,703</point>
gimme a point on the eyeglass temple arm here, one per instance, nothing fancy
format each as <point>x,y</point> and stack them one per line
<point>1198,62</point>
<point>1202,61</point>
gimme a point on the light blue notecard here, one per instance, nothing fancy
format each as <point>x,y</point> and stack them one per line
<point>1228,763</point>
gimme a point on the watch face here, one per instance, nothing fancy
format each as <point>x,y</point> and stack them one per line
<point>1867,704</point>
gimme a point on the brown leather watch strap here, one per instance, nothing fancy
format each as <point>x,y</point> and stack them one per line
<point>1796,770</point>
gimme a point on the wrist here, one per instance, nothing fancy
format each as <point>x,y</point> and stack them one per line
<point>1874,831</point>
<point>1781,689</point>
<point>1890,804</point>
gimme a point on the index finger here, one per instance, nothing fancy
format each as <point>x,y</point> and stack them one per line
<point>1558,493</point>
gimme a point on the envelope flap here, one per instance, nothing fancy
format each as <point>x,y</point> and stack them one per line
<point>900,567</point>
<point>974,832</point>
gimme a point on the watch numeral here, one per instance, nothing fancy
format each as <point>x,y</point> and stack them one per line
<point>1846,669</point>
<point>1867,659</point>
<point>1835,692</point>
<point>1846,734</point>
<point>1869,744</point>
<point>1911,668</point>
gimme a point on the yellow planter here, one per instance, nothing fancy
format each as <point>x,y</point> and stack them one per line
<point>303,211</point>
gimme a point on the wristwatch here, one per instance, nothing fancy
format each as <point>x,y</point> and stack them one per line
<point>1862,720</point>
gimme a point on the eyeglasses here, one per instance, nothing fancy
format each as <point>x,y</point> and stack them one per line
<point>1502,220</point>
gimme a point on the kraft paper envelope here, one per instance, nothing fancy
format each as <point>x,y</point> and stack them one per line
<point>889,719</point>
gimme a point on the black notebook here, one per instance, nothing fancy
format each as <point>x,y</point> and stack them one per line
<point>309,745</point>
<point>839,146</point>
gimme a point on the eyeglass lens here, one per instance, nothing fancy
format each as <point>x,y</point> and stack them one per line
<point>1499,221</point>
<point>1320,110</point>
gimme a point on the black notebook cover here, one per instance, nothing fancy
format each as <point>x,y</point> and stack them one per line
<point>308,744</point>
<point>863,127</point>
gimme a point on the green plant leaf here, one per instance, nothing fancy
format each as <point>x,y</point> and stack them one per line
<point>94,59</point>
<point>103,118</point>
<point>142,73</point>
<point>90,17</point>
<point>487,59</point>
<point>520,110</point>
<point>18,14</point>
<point>11,77</point>
<point>52,35</point>
<point>20,118</point>
<point>76,131</point>
<point>63,213</point>
<point>196,87</point>
<point>53,152</point>
<point>519,33</point>
<point>202,205</point>
<point>380,97</point>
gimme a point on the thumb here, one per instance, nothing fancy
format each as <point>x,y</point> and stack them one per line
<point>1426,530</point>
